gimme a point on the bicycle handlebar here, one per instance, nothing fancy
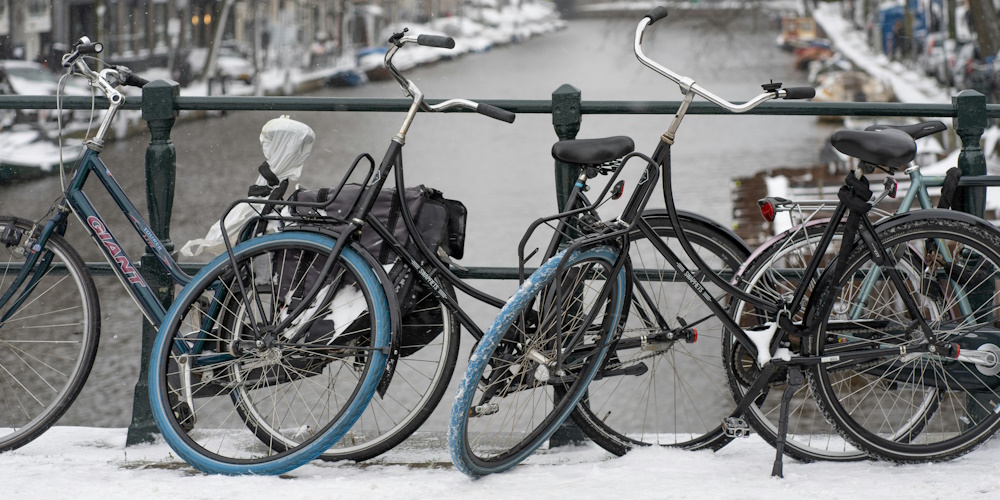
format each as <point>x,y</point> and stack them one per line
<point>397,40</point>
<point>688,85</point>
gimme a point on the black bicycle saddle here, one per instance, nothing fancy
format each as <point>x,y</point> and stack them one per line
<point>592,151</point>
<point>890,147</point>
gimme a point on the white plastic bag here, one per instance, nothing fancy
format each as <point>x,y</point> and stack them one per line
<point>286,144</point>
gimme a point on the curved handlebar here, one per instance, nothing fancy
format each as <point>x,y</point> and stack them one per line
<point>397,40</point>
<point>688,85</point>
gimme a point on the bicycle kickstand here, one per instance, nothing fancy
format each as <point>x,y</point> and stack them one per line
<point>795,381</point>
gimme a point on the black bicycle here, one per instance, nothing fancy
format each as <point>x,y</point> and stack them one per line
<point>894,340</point>
<point>257,295</point>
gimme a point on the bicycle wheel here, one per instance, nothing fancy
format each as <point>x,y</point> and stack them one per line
<point>906,406</point>
<point>772,274</point>
<point>49,329</point>
<point>423,371</point>
<point>513,397</point>
<point>671,391</point>
<point>229,404</point>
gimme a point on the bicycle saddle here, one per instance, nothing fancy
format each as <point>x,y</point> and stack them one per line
<point>889,148</point>
<point>916,130</point>
<point>592,151</point>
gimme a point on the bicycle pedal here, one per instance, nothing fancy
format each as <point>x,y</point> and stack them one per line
<point>735,427</point>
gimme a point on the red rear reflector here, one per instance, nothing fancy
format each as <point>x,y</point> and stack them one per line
<point>618,190</point>
<point>767,211</point>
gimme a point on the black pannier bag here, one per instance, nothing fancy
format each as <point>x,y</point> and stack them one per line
<point>441,224</point>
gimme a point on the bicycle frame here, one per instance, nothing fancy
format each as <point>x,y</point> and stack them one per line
<point>122,265</point>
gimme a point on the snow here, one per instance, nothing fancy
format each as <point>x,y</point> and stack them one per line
<point>93,463</point>
<point>908,85</point>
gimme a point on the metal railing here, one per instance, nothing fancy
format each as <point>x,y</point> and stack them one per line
<point>161,101</point>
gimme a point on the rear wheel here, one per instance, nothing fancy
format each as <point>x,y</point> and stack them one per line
<point>664,383</point>
<point>423,371</point>
<point>772,275</point>
<point>911,405</point>
<point>232,395</point>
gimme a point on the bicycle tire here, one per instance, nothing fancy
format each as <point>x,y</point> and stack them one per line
<point>670,392</point>
<point>772,274</point>
<point>268,408</point>
<point>510,348</point>
<point>423,371</point>
<point>43,366</point>
<point>874,403</point>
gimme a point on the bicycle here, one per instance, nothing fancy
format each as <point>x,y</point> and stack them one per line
<point>776,267</point>
<point>909,341</point>
<point>45,366</point>
<point>400,407</point>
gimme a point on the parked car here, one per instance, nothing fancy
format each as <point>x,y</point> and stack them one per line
<point>966,59</point>
<point>19,77</point>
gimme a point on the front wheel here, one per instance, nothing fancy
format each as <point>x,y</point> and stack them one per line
<point>514,393</point>
<point>908,404</point>
<point>49,328</point>
<point>233,395</point>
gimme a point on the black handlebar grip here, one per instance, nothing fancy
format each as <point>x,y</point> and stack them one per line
<point>127,77</point>
<point>90,48</point>
<point>800,93</point>
<point>135,80</point>
<point>657,14</point>
<point>444,42</point>
<point>495,112</point>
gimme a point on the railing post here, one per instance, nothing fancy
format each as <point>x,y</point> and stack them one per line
<point>970,122</point>
<point>566,118</point>
<point>158,110</point>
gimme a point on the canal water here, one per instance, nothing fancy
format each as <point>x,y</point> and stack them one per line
<point>503,173</point>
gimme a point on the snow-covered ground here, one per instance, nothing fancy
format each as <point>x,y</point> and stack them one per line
<point>93,463</point>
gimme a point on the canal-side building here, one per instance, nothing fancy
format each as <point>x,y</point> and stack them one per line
<point>145,33</point>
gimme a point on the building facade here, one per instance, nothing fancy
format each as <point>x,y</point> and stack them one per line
<point>143,33</point>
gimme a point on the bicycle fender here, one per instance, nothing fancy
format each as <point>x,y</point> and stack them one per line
<point>937,214</point>
<point>693,217</point>
<point>395,321</point>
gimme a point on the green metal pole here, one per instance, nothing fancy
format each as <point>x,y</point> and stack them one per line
<point>970,122</point>
<point>566,118</point>
<point>158,110</point>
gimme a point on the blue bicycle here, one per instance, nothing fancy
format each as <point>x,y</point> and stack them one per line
<point>262,409</point>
